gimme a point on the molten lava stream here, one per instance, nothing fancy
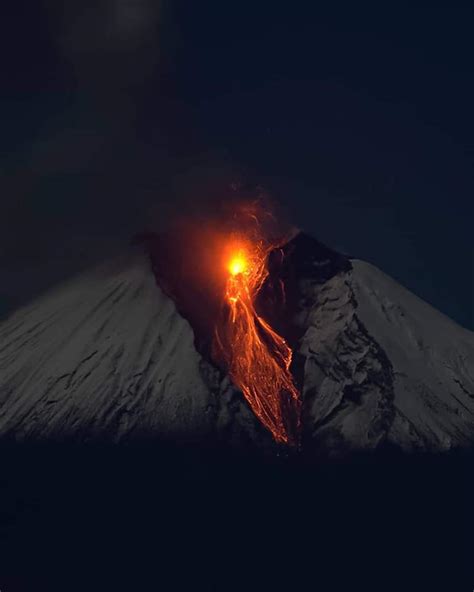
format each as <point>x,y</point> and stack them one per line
<point>257,357</point>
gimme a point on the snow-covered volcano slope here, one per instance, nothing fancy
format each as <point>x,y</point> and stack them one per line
<point>380,364</point>
<point>104,356</point>
<point>432,361</point>
<point>107,356</point>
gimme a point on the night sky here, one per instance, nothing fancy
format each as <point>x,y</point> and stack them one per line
<point>115,116</point>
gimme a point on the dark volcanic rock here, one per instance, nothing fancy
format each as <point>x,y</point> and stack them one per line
<point>109,356</point>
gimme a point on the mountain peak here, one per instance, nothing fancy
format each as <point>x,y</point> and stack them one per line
<point>110,356</point>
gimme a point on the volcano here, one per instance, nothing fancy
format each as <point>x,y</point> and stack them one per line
<point>111,355</point>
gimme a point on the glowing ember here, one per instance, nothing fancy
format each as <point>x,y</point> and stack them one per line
<point>238,264</point>
<point>258,358</point>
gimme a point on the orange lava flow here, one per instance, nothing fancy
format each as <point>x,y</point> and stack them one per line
<point>258,358</point>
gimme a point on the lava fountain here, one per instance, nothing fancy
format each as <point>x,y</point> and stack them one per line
<point>257,357</point>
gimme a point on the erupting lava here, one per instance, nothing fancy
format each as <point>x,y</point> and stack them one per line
<point>257,357</point>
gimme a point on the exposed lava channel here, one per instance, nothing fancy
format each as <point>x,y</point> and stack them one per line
<point>232,283</point>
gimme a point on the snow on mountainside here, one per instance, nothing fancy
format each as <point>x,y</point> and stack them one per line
<point>432,359</point>
<point>104,356</point>
<point>108,356</point>
<point>382,365</point>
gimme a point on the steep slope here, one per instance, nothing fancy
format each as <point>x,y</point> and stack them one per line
<point>108,356</point>
<point>380,365</point>
<point>105,356</point>
<point>432,359</point>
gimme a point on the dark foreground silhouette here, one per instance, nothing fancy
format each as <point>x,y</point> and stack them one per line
<point>155,517</point>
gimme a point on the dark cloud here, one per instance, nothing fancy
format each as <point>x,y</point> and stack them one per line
<point>105,26</point>
<point>78,182</point>
<point>116,114</point>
